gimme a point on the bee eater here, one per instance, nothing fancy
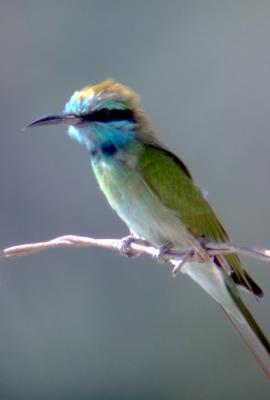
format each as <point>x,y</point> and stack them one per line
<point>153,192</point>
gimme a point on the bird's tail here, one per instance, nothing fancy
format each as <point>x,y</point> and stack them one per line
<point>250,332</point>
<point>221,286</point>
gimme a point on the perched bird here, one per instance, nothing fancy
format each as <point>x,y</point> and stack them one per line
<point>153,192</point>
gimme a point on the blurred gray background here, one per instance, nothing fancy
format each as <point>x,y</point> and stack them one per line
<point>89,324</point>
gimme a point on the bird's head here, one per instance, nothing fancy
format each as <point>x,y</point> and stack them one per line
<point>104,112</point>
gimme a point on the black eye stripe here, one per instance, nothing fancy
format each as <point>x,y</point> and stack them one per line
<point>107,115</point>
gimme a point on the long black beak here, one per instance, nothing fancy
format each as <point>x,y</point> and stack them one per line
<point>69,119</point>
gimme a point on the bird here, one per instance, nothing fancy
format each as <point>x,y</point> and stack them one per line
<point>153,192</point>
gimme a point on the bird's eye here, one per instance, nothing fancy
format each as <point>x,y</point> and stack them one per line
<point>104,114</point>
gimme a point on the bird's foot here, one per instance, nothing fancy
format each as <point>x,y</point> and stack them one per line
<point>203,242</point>
<point>177,267</point>
<point>126,249</point>
<point>161,252</point>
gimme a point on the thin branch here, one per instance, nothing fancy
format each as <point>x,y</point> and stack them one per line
<point>229,248</point>
<point>138,246</point>
<point>71,241</point>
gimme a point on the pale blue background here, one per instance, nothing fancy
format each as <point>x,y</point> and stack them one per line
<point>88,324</point>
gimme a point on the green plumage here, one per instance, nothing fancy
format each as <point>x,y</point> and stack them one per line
<point>153,192</point>
<point>170,180</point>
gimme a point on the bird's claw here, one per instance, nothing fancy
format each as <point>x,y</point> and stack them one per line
<point>177,267</point>
<point>203,242</point>
<point>161,252</point>
<point>126,249</point>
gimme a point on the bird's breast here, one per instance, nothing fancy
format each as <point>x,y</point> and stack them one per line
<point>128,194</point>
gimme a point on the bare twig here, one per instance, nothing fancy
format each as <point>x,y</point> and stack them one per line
<point>138,246</point>
<point>229,248</point>
<point>69,241</point>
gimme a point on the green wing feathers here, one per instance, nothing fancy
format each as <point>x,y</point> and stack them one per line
<point>172,183</point>
<point>170,180</point>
